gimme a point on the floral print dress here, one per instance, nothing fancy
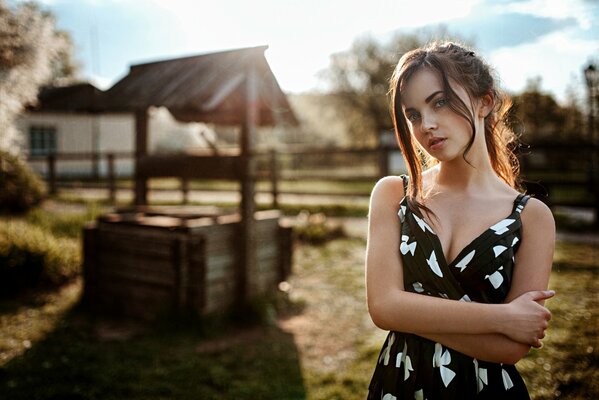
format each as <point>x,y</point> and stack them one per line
<point>412,367</point>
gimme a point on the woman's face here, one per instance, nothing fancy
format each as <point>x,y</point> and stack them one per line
<point>440,131</point>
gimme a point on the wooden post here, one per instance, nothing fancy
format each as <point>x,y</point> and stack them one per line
<point>274,178</point>
<point>141,150</point>
<point>111,178</point>
<point>185,189</point>
<point>595,180</point>
<point>95,165</point>
<point>196,255</point>
<point>90,262</point>
<point>52,174</point>
<point>383,161</point>
<point>180,264</point>
<point>247,259</point>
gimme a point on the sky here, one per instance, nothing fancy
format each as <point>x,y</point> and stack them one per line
<point>522,39</point>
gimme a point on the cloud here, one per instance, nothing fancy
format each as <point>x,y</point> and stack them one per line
<point>579,10</point>
<point>555,57</point>
<point>492,31</point>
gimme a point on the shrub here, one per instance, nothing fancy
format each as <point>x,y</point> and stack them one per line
<point>20,188</point>
<point>31,256</point>
<point>63,224</point>
<point>314,228</point>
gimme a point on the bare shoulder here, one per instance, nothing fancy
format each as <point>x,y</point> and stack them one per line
<point>538,218</point>
<point>386,196</point>
<point>389,188</point>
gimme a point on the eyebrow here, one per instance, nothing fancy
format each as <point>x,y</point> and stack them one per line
<point>427,100</point>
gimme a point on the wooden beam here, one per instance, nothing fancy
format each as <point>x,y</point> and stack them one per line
<point>247,256</point>
<point>141,149</point>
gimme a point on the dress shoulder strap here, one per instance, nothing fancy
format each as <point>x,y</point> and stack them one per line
<point>520,202</point>
<point>405,178</point>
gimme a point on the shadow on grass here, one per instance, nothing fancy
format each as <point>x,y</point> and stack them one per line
<point>90,358</point>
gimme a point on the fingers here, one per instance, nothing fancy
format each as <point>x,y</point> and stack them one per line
<point>539,295</point>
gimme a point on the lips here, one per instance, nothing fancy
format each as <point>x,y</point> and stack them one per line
<point>435,140</point>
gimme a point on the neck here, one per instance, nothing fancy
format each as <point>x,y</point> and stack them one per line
<point>472,177</point>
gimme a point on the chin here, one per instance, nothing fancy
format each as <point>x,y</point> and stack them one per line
<point>444,157</point>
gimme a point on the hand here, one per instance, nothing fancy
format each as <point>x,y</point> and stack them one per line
<point>528,319</point>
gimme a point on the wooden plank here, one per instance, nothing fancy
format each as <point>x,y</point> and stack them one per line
<point>141,150</point>
<point>220,267</point>
<point>135,246</point>
<point>136,301</point>
<point>151,272</point>
<point>197,274</point>
<point>190,166</point>
<point>90,267</point>
<point>134,230</point>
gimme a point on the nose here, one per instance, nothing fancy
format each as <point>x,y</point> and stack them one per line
<point>429,122</point>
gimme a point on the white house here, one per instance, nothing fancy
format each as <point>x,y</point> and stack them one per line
<point>65,122</point>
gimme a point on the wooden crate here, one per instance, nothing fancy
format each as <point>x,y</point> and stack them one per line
<point>143,264</point>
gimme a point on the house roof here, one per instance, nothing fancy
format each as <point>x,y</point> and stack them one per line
<point>79,97</point>
<point>206,88</point>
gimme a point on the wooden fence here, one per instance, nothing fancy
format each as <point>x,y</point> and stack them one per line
<point>561,174</point>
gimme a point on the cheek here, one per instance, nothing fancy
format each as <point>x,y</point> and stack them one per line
<point>419,138</point>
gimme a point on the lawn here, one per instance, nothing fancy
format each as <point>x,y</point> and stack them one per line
<point>318,343</point>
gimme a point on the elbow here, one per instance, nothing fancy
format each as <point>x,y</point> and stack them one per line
<point>378,314</point>
<point>378,321</point>
<point>514,354</point>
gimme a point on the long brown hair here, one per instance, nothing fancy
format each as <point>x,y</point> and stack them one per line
<point>461,65</point>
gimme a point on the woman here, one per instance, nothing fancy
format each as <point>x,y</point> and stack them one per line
<point>458,260</point>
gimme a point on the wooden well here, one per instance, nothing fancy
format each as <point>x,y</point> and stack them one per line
<point>141,262</point>
<point>144,264</point>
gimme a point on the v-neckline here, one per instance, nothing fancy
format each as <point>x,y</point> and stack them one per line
<point>439,247</point>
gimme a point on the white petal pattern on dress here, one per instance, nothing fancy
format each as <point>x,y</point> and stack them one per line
<point>418,287</point>
<point>515,240</point>
<point>403,357</point>
<point>496,278</point>
<point>389,396</point>
<point>481,376</point>
<point>441,359</point>
<point>499,249</point>
<point>404,247</point>
<point>502,225</point>
<point>465,298</point>
<point>434,264</point>
<point>507,381</point>
<point>386,354</point>
<point>464,261</point>
<point>419,395</point>
<point>422,224</point>
<point>402,214</point>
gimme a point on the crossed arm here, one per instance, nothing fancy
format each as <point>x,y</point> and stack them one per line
<point>490,332</point>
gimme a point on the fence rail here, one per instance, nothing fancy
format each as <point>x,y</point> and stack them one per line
<point>555,172</point>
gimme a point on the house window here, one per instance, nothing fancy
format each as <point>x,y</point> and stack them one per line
<point>42,140</point>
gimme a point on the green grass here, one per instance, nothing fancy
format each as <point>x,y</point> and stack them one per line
<point>323,346</point>
<point>299,186</point>
<point>330,210</point>
<point>74,361</point>
<point>63,225</point>
<point>566,367</point>
<point>31,256</point>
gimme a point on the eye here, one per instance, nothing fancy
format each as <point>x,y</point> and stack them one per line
<point>440,102</point>
<point>413,117</point>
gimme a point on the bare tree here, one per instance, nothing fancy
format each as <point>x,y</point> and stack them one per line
<point>32,53</point>
<point>360,77</point>
<point>538,117</point>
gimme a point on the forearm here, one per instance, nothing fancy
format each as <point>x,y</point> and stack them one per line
<point>492,347</point>
<point>419,314</point>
